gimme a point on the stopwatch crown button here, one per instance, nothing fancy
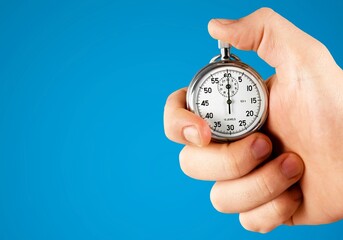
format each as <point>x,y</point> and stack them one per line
<point>222,44</point>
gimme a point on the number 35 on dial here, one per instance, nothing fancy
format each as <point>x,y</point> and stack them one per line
<point>231,97</point>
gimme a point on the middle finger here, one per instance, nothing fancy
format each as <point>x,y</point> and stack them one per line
<point>224,161</point>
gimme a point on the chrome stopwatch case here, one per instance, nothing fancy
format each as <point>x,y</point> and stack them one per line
<point>230,96</point>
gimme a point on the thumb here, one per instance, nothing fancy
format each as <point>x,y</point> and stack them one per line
<point>275,39</point>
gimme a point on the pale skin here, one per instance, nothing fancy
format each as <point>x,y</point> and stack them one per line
<point>302,181</point>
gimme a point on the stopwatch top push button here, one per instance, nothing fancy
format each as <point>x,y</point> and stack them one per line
<point>222,44</point>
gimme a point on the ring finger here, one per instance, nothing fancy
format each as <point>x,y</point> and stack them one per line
<point>259,187</point>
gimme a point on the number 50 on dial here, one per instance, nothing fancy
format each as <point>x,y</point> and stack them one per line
<point>231,97</point>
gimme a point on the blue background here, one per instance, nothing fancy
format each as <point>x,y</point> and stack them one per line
<point>82,88</point>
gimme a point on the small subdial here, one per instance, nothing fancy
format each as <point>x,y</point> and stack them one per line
<point>228,85</point>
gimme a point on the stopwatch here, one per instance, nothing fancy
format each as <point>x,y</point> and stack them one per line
<point>230,95</point>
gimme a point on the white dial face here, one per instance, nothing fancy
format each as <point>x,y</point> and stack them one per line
<point>231,100</point>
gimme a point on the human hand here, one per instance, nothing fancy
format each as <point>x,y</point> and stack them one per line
<point>262,191</point>
<point>305,107</point>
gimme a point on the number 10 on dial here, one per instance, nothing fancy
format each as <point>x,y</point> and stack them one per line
<point>230,96</point>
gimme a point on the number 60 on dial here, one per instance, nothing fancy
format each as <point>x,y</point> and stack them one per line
<point>230,95</point>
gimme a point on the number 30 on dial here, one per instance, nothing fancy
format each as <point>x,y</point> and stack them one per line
<point>231,97</point>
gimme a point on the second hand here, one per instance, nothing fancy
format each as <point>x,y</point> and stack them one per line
<point>228,95</point>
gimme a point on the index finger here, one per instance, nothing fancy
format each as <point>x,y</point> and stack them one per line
<point>183,126</point>
<point>274,38</point>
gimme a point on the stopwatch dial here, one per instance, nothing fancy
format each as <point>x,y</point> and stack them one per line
<point>227,85</point>
<point>231,100</point>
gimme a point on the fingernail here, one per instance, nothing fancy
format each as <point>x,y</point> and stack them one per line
<point>260,148</point>
<point>191,134</point>
<point>290,167</point>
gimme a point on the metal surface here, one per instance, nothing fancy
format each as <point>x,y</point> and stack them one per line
<point>198,79</point>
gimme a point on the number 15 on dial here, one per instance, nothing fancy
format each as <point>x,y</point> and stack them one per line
<point>230,96</point>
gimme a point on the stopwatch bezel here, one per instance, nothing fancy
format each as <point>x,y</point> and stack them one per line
<point>191,91</point>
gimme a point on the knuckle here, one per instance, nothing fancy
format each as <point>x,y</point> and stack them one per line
<point>170,98</point>
<point>168,107</point>
<point>320,51</point>
<point>264,186</point>
<point>175,98</point>
<point>230,162</point>
<point>172,109</point>
<point>240,42</point>
<point>269,18</point>
<point>266,11</point>
<point>280,209</point>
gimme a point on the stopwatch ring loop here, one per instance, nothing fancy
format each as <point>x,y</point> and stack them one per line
<point>232,57</point>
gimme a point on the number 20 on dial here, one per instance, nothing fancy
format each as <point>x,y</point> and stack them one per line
<point>230,96</point>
